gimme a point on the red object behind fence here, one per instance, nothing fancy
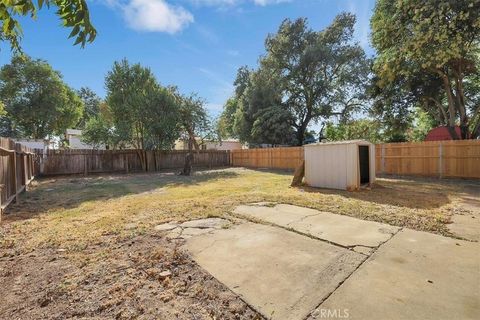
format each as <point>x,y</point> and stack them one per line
<point>441,133</point>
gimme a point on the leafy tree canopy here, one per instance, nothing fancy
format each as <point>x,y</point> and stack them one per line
<point>430,50</point>
<point>92,103</point>
<point>38,103</point>
<point>367,129</point>
<point>304,76</point>
<point>321,73</point>
<point>74,14</point>
<point>193,120</point>
<point>144,114</point>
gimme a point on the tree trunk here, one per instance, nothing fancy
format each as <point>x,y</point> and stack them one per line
<point>187,167</point>
<point>141,156</point>
<point>451,105</point>
<point>301,131</point>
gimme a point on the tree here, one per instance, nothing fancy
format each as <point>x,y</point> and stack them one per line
<point>370,130</point>
<point>273,126</point>
<point>320,73</point>
<point>38,103</point>
<point>433,40</point>
<point>226,121</point>
<point>194,124</point>
<point>259,99</point>
<point>389,107</point>
<point>74,14</point>
<point>144,115</point>
<point>423,123</point>
<point>91,102</point>
<point>99,131</point>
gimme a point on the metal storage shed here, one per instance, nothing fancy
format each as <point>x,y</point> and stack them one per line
<point>345,165</point>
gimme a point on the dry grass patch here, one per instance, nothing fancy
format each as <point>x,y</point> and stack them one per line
<point>86,247</point>
<point>75,212</point>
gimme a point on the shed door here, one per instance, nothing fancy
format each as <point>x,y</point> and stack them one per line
<point>364,158</point>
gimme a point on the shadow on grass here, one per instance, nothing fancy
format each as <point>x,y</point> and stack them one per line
<point>67,192</point>
<point>283,172</point>
<point>413,193</point>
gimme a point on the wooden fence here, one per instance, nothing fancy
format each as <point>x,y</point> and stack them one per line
<point>110,161</point>
<point>274,158</point>
<point>17,169</point>
<point>453,159</point>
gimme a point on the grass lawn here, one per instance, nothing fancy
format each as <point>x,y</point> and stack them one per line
<point>85,246</point>
<point>73,212</point>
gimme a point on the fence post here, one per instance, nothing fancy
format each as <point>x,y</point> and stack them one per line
<point>126,163</point>
<point>440,160</point>
<point>14,156</point>
<point>146,160</point>
<point>85,163</point>
<point>23,167</point>
<point>382,159</point>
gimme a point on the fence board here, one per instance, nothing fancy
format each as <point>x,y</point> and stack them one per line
<point>456,159</point>
<point>17,169</point>
<point>110,161</point>
<point>274,158</point>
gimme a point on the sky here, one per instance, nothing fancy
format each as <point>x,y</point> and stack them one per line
<point>197,45</point>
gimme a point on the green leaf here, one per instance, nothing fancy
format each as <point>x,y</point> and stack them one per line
<point>74,32</point>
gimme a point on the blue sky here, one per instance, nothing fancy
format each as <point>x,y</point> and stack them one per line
<point>197,45</point>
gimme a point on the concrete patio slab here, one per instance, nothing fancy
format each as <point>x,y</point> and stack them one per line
<point>191,228</point>
<point>466,224</point>
<point>415,275</point>
<point>338,229</point>
<point>282,274</point>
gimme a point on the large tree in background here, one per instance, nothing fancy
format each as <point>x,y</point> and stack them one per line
<point>74,14</point>
<point>367,129</point>
<point>304,76</point>
<point>91,102</point>
<point>320,73</point>
<point>144,114</point>
<point>226,120</point>
<point>261,117</point>
<point>38,104</point>
<point>193,122</point>
<point>430,49</point>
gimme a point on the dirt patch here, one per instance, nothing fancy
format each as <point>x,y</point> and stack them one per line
<point>145,277</point>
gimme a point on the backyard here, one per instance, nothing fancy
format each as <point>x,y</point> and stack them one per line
<point>88,247</point>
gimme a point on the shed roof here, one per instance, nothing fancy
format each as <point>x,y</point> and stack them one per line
<point>338,142</point>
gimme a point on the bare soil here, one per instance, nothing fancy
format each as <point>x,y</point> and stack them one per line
<point>115,279</point>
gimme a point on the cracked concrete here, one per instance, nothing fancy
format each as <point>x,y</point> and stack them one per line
<point>191,228</point>
<point>299,263</point>
<point>337,229</point>
<point>283,275</point>
<point>466,220</point>
<point>415,275</point>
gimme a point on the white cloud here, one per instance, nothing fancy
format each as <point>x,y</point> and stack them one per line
<point>229,3</point>
<point>264,3</point>
<point>153,15</point>
<point>215,2</point>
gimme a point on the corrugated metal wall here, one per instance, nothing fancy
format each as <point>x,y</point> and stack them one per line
<point>336,165</point>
